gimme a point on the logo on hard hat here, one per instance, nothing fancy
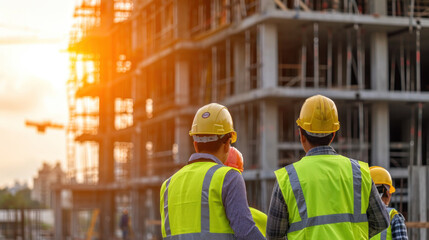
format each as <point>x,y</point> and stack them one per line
<point>206,115</point>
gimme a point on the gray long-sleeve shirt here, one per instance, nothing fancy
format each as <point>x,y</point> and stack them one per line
<point>234,199</point>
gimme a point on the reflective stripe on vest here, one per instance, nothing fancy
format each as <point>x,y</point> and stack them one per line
<point>386,234</point>
<point>167,221</point>
<point>328,200</point>
<point>202,236</point>
<point>326,219</point>
<point>205,210</point>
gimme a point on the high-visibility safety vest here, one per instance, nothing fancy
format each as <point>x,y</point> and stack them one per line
<point>327,197</point>
<point>386,234</point>
<point>260,220</point>
<point>191,203</point>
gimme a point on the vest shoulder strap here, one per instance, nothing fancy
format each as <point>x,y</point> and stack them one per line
<point>392,213</point>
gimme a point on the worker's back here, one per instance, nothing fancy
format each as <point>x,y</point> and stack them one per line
<point>191,203</point>
<point>327,197</point>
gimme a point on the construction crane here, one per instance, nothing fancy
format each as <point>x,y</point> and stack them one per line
<point>42,126</point>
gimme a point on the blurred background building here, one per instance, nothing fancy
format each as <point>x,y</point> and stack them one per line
<point>47,176</point>
<point>16,187</point>
<point>140,69</point>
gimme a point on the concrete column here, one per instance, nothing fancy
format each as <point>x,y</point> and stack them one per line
<point>137,152</point>
<point>153,212</point>
<point>137,219</point>
<point>268,145</point>
<point>379,6</point>
<point>106,169</point>
<point>181,81</point>
<point>184,146</point>
<point>423,201</point>
<point>136,138</point>
<point>136,161</point>
<point>105,129</point>
<point>134,34</point>
<point>239,65</point>
<point>269,58</point>
<point>107,14</point>
<point>240,125</point>
<point>107,215</point>
<point>269,134</point>
<point>379,61</point>
<point>267,5</point>
<point>58,215</point>
<point>105,161</point>
<point>380,135</point>
<point>419,197</point>
<point>181,18</point>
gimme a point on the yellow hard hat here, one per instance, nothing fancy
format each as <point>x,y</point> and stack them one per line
<point>213,119</point>
<point>381,176</point>
<point>319,115</point>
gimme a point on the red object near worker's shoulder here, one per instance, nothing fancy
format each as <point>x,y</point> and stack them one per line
<point>235,159</point>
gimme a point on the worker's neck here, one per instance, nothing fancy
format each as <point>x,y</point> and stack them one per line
<point>217,154</point>
<point>307,146</point>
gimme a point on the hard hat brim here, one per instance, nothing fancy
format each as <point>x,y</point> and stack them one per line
<point>392,189</point>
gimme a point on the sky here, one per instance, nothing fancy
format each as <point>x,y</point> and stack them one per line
<point>34,69</point>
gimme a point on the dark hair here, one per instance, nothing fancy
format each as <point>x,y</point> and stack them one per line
<point>212,147</point>
<point>317,141</point>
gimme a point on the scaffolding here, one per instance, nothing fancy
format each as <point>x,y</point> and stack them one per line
<point>83,108</point>
<point>140,69</point>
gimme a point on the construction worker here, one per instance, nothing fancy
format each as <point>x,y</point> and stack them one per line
<point>124,224</point>
<point>206,199</point>
<point>397,229</point>
<point>324,195</point>
<point>235,160</point>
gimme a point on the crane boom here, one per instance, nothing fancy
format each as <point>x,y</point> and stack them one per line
<point>42,126</point>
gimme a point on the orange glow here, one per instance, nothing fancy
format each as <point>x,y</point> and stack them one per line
<point>149,108</point>
<point>32,87</point>
<point>123,65</point>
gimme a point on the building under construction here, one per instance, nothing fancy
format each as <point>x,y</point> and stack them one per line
<point>141,68</point>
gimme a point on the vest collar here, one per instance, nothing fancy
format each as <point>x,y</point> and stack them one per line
<point>196,156</point>
<point>321,150</point>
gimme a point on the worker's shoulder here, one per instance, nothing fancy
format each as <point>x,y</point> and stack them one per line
<point>397,220</point>
<point>322,159</point>
<point>229,170</point>
<point>353,160</point>
<point>361,164</point>
<point>395,214</point>
<point>219,167</point>
<point>208,166</point>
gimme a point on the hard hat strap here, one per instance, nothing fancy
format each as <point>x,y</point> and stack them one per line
<point>206,139</point>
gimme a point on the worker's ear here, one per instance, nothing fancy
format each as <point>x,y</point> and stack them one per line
<point>302,137</point>
<point>196,146</point>
<point>386,197</point>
